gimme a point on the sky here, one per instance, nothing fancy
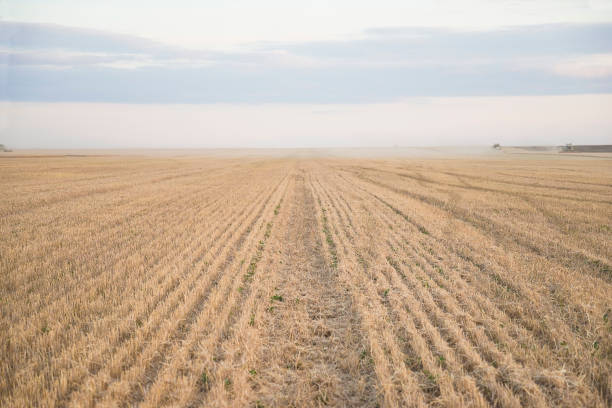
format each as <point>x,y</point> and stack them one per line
<point>115,74</point>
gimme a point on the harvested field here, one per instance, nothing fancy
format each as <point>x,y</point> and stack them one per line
<point>201,281</point>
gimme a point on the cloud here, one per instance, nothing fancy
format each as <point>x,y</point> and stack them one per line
<point>58,58</point>
<point>41,62</point>
<point>589,66</point>
<point>48,44</point>
<point>216,84</point>
<point>19,35</point>
<point>440,44</point>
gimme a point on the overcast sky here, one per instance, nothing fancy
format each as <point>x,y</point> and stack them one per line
<point>288,73</point>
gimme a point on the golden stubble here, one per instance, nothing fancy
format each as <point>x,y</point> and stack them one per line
<point>202,281</point>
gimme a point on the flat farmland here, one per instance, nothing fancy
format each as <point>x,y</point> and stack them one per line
<point>303,281</point>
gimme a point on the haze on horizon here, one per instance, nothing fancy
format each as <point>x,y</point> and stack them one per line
<point>129,74</point>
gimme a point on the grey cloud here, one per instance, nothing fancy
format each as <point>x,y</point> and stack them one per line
<point>555,40</point>
<point>387,64</point>
<point>220,84</point>
<point>44,38</point>
<point>50,36</point>
<point>380,45</point>
<point>60,59</point>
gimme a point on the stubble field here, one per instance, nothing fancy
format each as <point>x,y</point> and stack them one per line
<point>201,281</point>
